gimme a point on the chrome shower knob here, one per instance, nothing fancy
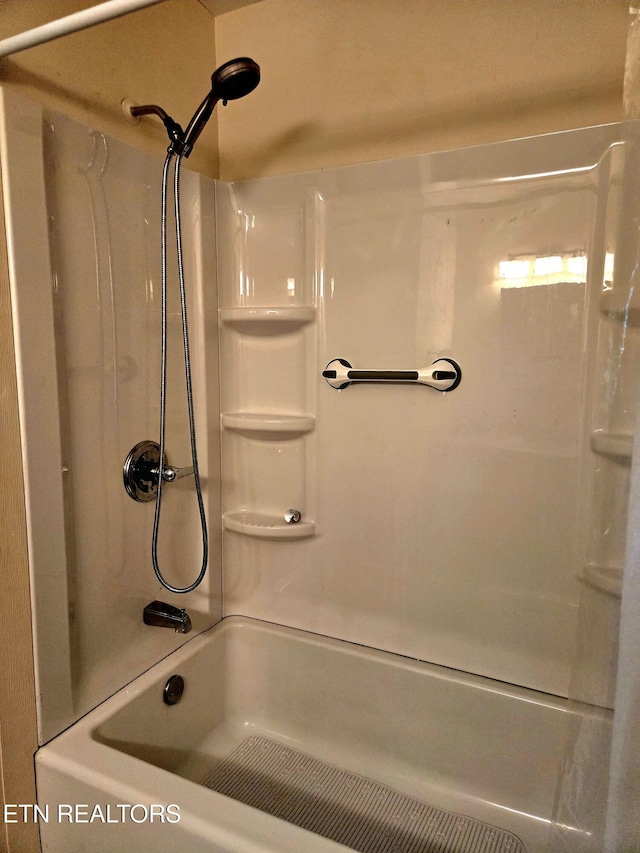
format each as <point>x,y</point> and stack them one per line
<point>141,471</point>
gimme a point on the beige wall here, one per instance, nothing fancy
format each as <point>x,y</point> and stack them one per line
<point>164,54</point>
<point>346,81</point>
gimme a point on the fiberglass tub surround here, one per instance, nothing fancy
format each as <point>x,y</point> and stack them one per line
<point>84,218</point>
<point>455,528</point>
<point>479,530</point>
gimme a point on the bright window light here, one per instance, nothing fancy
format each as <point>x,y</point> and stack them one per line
<point>608,270</point>
<point>515,269</point>
<point>547,266</point>
<point>578,266</point>
<point>536,270</point>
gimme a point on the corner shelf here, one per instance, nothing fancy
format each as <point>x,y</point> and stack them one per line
<point>607,579</point>
<point>269,427</point>
<point>618,445</point>
<point>267,321</point>
<point>264,526</point>
<point>615,307</point>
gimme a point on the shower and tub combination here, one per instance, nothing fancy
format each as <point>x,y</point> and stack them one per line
<point>406,636</point>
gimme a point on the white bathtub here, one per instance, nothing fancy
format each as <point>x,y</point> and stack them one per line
<point>459,742</point>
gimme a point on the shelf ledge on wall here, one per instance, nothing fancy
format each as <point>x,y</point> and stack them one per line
<point>621,307</point>
<point>607,579</point>
<point>268,427</point>
<point>264,526</point>
<point>618,445</point>
<point>267,321</point>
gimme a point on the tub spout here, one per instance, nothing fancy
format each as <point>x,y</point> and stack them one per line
<point>167,616</point>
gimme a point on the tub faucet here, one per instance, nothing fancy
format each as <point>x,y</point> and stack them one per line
<point>167,616</point>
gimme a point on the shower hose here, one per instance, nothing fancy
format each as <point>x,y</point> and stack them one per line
<point>163,380</point>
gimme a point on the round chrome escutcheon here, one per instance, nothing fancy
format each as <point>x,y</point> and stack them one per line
<point>140,471</point>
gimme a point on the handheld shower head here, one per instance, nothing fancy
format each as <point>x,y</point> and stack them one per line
<point>235,79</point>
<point>231,81</point>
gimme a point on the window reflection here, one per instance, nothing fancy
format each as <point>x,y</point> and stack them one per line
<point>535,270</point>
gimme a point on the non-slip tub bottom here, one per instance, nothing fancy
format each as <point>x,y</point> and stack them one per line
<point>344,807</point>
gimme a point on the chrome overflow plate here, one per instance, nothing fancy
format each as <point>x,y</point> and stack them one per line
<point>140,471</point>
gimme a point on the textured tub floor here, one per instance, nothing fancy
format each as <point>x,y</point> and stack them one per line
<point>347,808</point>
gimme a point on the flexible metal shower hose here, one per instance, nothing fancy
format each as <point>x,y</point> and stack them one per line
<point>163,381</point>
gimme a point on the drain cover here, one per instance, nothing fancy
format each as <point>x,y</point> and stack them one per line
<point>349,809</point>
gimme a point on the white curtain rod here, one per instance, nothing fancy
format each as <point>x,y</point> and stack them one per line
<point>72,24</point>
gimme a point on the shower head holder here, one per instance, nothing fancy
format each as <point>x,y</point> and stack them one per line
<point>174,130</point>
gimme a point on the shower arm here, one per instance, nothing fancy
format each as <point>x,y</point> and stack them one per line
<point>174,130</point>
<point>182,141</point>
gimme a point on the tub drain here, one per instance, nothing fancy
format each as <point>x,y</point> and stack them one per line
<point>347,808</point>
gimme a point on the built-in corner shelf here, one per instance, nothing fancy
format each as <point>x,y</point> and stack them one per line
<point>267,321</point>
<point>268,427</point>
<point>264,526</point>
<point>618,445</point>
<point>607,579</point>
<point>626,310</point>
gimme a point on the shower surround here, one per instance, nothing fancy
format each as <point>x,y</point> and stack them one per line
<point>448,527</point>
<point>480,530</point>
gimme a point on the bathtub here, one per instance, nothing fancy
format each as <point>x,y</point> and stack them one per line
<point>128,775</point>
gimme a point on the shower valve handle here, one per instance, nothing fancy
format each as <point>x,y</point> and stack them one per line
<point>169,474</point>
<point>141,471</point>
